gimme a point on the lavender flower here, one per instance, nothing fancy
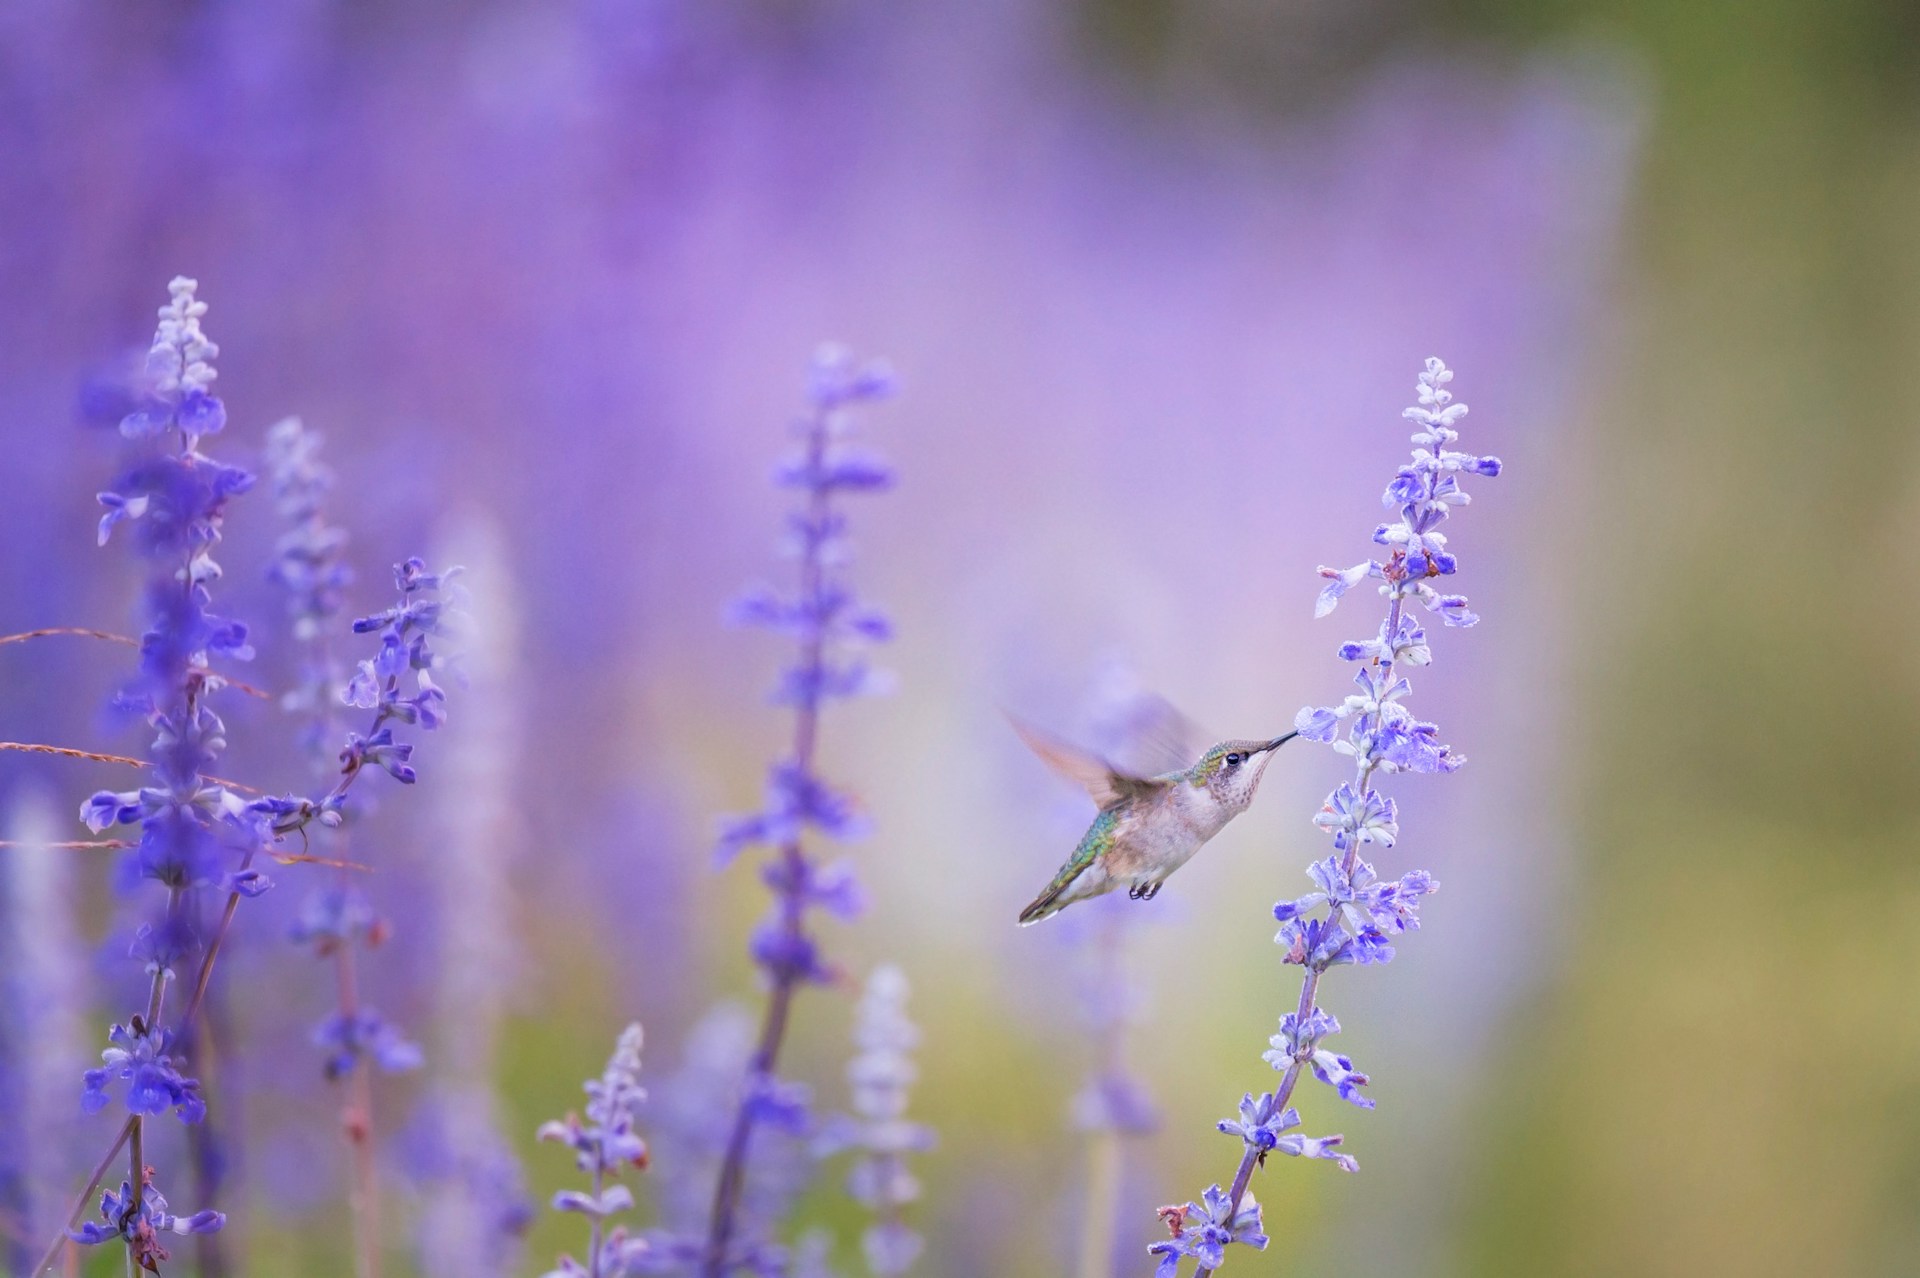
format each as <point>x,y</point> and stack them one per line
<point>604,1145</point>
<point>881,1074</point>
<point>829,625</point>
<point>179,372</point>
<point>1376,731</point>
<point>195,834</point>
<point>1202,1230</point>
<point>141,1225</point>
<point>396,684</point>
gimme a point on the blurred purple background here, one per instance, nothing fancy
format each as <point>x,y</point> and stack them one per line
<point>546,276</point>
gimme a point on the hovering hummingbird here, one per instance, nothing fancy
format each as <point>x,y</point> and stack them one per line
<point>1147,827</point>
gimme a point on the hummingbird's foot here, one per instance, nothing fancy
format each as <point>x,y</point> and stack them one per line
<point>1144,891</point>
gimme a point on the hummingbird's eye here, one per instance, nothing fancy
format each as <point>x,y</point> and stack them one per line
<point>1233,760</point>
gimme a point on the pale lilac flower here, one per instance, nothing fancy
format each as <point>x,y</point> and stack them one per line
<point>878,1130</point>
<point>605,1143</point>
<point>1371,727</point>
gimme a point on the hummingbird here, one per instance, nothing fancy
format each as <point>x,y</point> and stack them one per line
<point>1147,827</point>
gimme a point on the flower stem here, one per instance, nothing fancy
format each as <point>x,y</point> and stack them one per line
<point>356,1123</point>
<point>1103,1192</point>
<point>593,1227</point>
<point>726,1195</point>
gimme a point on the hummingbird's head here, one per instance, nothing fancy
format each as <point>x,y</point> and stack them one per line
<point>1230,772</point>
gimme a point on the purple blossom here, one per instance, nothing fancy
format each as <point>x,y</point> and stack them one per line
<point>1297,1146</point>
<point>1202,1231</point>
<point>195,835</point>
<point>1312,942</point>
<point>143,1059</point>
<point>1363,901</point>
<point>1371,727</point>
<point>179,371</point>
<point>349,1038</point>
<point>140,1227</point>
<point>1261,1122</point>
<point>691,1118</point>
<point>396,684</point>
<point>605,1143</point>
<point>1298,1043</point>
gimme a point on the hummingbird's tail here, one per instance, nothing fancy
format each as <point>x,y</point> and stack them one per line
<point>1059,895</point>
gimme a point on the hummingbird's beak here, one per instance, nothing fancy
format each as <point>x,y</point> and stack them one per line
<point>1277,742</point>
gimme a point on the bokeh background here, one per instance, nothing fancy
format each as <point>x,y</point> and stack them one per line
<point>1157,279</point>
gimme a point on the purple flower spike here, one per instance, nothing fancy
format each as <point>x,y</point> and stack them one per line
<point>1354,915</point>
<point>195,837</point>
<point>605,1144</point>
<point>830,627</point>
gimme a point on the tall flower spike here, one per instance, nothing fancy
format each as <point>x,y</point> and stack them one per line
<point>604,1145</point>
<point>878,1130</point>
<point>1361,910</point>
<point>196,837</point>
<point>830,627</point>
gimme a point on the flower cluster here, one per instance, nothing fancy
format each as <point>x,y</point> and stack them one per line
<point>1263,1125</point>
<point>1362,911</point>
<point>140,1057</point>
<point>604,1145</point>
<point>881,1074</point>
<point>1202,1230</point>
<point>176,392</point>
<point>381,684</point>
<point>830,626</point>
<point>140,1225</point>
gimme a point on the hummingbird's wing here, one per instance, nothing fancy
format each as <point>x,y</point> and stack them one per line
<point>1151,735</point>
<point>1107,784</point>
